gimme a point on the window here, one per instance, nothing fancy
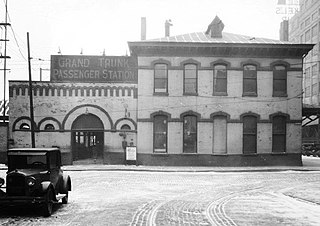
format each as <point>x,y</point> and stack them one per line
<point>125,127</point>
<point>220,135</point>
<point>249,134</point>
<point>250,80</point>
<point>279,80</point>
<point>24,126</point>
<point>307,22</point>
<point>190,134</point>
<point>314,31</point>
<point>279,134</point>
<point>160,132</point>
<point>307,35</point>
<point>220,80</point>
<point>160,78</point>
<point>190,79</point>
<point>301,39</point>
<point>49,127</point>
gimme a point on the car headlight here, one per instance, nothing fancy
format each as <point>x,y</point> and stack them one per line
<point>1,181</point>
<point>31,181</point>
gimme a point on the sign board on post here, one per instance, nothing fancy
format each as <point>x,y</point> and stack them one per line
<point>131,154</point>
<point>81,68</point>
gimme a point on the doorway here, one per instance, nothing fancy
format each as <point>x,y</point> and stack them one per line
<point>87,138</point>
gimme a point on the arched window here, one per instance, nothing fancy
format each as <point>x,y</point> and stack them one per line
<point>160,133</point>
<point>279,80</point>
<point>125,127</point>
<point>49,127</point>
<point>249,134</point>
<point>279,133</point>
<point>160,78</point>
<point>190,77</point>
<point>249,80</point>
<point>220,80</point>
<point>25,126</point>
<point>190,134</point>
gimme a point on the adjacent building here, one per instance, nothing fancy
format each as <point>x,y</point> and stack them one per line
<point>304,28</point>
<point>204,99</point>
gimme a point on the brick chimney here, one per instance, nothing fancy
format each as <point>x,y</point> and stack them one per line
<point>143,28</point>
<point>215,28</point>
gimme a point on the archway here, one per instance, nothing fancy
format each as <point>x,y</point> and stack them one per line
<point>87,137</point>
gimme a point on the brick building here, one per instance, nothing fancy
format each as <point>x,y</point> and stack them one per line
<point>215,98</point>
<point>205,98</point>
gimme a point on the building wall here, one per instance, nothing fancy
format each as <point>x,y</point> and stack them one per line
<point>304,27</point>
<point>205,104</point>
<point>61,103</point>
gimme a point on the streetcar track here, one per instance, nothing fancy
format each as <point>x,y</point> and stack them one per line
<point>215,212</point>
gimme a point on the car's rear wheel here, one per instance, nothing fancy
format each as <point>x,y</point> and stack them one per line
<point>65,199</point>
<point>48,204</point>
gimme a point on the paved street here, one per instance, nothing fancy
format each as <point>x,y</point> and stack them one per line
<point>183,198</point>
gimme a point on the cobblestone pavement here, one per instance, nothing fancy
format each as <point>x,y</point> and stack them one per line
<point>182,198</point>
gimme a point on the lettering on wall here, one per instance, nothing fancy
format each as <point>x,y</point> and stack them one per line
<point>109,69</point>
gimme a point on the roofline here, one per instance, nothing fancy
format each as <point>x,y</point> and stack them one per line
<point>220,44</point>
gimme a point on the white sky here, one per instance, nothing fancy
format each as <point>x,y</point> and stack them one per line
<point>95,25</point>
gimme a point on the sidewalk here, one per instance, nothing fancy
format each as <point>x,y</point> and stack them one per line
<point>309,165</point>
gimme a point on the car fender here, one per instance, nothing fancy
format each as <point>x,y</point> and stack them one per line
<point>46,185</point>
<point>65,184</point>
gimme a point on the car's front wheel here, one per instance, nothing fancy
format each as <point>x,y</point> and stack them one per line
<point>48,204</point>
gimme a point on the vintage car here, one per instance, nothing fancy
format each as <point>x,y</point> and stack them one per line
<point>34,176</point>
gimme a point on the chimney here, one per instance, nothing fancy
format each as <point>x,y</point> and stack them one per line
<point>167,25</point>
<point>284,30</point>
<point>215,28</point>
<point>143,28</point>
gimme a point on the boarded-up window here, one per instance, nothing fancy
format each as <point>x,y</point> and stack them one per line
<point>190,134</point>
<point>160,133</point>
<point>190,79</point>
<point>160,78</point>
<point>220,135</point>
<point>249,134</point>
<point>279,80</point>
<point>220,80</point>
<point>279,134</point>
<point>249,80</point>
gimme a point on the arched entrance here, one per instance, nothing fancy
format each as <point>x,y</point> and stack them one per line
<point>87,137</point>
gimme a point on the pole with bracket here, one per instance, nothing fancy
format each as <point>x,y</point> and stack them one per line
<point>30,95</point>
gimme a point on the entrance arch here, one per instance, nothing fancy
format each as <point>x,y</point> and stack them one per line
<point>87,137</point>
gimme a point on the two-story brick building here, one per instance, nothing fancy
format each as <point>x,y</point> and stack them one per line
<point>215,98</point>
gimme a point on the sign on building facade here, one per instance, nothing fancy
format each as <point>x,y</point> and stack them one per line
<point>109,69</point>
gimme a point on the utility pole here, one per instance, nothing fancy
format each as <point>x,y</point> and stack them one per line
<point>30,96</point>
<point>5,57</point>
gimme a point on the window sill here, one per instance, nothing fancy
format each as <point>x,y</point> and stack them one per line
<point>183,153</point>
<point>249,95</point>
<point>250,154</point>
<point>216,154</point>
<point>160,94</point>
<point>190,94</point>
<point>160,154</point>
<point>220,94</point>
<point>279,95</point>
<point>279,153</point>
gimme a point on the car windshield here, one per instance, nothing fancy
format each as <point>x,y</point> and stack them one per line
<point>27,161</point>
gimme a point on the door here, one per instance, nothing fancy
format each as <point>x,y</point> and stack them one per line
<point>87,137</point>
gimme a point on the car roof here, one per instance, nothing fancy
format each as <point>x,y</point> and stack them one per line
<point>33,149</point>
